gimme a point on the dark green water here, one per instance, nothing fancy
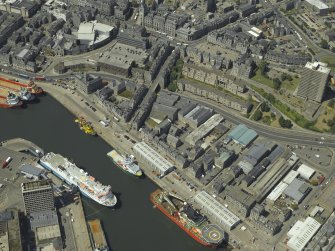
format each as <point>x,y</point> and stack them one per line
<point>135,225</point>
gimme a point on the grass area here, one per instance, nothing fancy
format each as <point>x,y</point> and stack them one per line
<point>262,79</point>
<point>176,74</point>
<point>291,85</point>
<point>291,114</point>
<point>330,61</point>
<point>126,94</point>
<point>328,114</point>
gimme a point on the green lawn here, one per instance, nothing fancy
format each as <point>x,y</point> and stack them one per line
<point>262,79</point>
<point>126,94</point>
<point>291,85</point>
<point>330,61</point>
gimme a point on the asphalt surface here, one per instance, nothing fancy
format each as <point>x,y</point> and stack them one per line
<point>279,134</point>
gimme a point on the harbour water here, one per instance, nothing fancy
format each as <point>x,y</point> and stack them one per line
<point>134,225</point>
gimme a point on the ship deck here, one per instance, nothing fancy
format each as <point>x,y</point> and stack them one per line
<point>212,233</point>
<point>3,93</point>
<point>11,85</point>
<point>97,234</point>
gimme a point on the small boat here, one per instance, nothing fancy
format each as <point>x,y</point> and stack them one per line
<point>85,126</point>
<point>13,100</point>
<point>25,95</point>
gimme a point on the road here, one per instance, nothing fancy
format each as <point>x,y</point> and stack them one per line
<point>283,135</point>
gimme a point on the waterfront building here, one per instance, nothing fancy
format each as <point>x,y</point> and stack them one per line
<point>153,159</point>
<point>210,206</point>
<point>37,196</point>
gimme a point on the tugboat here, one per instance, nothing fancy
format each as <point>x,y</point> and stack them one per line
<point>25,95</point>
<point>33,88</point>
<point>85,126</point>
<point>13,100</point>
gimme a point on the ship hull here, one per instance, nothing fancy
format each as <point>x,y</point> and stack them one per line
<point>176,221</point>
<point>118,162</point>
<point>46,166</point>
<point>120,166</point>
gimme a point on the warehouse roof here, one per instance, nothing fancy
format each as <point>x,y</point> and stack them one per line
<point>31,170</point>
<point>242,134</point>
<point>152,156</point>
<point>238,131</point>
<point>247,137</point>
<point>216,209</point>
<point>296,190</point>
<point>290,177</point>
<point>277,191</point>
<point>302,232</point>
<point>317,3</point>
<point>305,171</point>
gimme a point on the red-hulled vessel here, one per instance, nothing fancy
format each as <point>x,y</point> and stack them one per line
<point>190,220</point>
<point>15,86</point>
<point>11,101</point>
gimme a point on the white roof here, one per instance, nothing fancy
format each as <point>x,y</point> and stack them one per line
<point>255,29</point>
<point>153,157</point>
<point>295,229</point>
<point>216,209</point>
<point>317,3</point>
<point>290,177</point>
<point>305,171</point>
<point>88,30</point>
<point>277,191</point>
<point>253,33</point>
<point>318,66</point>
<point>23,53</point>
<point>203,129</point>
<point>302,232</point>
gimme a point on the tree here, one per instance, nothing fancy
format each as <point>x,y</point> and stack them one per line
<point>294,206</point>
<point>285,123</point>
<point>324,44</point>
<point>265,107</point>
<point>263,67</point>
<point>314,182</point>
<point>276,83</point>
<point>331,103</point>
<point>257,115</point>
<point>271,98</point>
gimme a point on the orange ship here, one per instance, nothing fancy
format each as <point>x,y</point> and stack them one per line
<point>190,220</point>
<point>16,86</point>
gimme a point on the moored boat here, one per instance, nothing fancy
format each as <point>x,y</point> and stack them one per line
<point>25,95</point>
<point>190,220</point>
<point>74,176</point>
<point>85,126</point>
<point>126,163</point>
<point>13,100</point>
